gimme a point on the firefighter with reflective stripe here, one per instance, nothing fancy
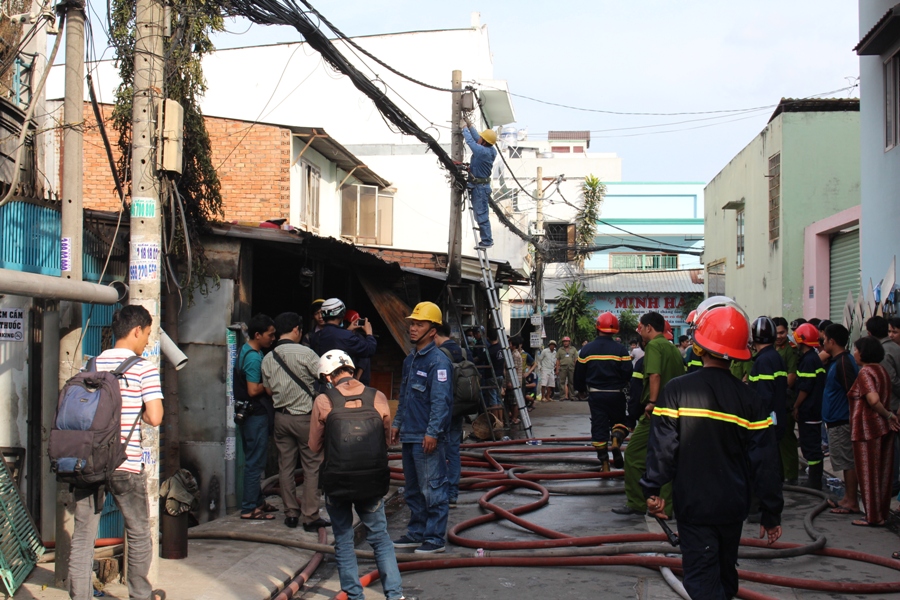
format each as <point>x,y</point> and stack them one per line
<point>808,406</point>
<point>712,437</point>
<point>604,371</point>
<point>692,362</point>
<point>768,377</point>
<point>635,389</point>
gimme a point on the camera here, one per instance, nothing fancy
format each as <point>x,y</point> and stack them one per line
<point>242,410</point>
<point>361,322</point>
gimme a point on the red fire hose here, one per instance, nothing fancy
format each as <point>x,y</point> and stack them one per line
<point>500,477</point>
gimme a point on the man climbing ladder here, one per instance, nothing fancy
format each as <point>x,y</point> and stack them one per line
<point>483,155</point>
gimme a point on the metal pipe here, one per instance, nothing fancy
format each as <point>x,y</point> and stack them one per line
<point>55,288</point>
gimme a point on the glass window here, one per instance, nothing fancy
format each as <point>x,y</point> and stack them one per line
<point>774,197</point>
<point>367,215</point>
<point>740,237</point>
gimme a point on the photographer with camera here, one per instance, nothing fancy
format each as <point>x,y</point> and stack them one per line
<point>356,340</point>
<point>254,413</point>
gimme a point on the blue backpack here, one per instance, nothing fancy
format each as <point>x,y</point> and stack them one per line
<point>85,446</point>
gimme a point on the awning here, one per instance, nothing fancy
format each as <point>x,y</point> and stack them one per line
<point>883,35</point>
<point>392,310</point>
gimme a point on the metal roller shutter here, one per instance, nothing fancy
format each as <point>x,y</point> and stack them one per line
<point>844,271</point>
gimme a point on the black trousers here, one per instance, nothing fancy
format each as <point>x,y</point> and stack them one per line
<point>811,442</point>
<point>709,558</point>
<point>607,411</point>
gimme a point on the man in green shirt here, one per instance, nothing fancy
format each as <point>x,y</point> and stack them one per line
<point>662,363</point>
<point>790,462</point>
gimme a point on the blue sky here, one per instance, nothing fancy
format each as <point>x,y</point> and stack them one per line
<point>666,56</point>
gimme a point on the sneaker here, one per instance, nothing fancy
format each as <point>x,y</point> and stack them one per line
<point>406,542</point>
<point>429,548</point>
<point>483,245</point>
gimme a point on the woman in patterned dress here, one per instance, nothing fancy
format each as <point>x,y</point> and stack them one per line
<point>872,427</point>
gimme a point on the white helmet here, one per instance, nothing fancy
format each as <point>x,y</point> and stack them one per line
<point>333,308</point>
<point>333,360</point>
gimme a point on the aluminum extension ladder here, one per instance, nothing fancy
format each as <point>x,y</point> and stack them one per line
<point>487,278</point>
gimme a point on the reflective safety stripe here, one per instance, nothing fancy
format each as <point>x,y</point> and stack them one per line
<point>813,374</point>
<point>598,444</point>
<point>695,363</point>
<point>813,462</point>
<point>637,375</point>
<point>768,377</point>
<point>711,414</point>
<point>604,357</point>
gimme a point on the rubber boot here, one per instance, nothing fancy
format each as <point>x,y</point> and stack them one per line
<point>618,436</point>
<point>815,476</point>
<point>604,465</point>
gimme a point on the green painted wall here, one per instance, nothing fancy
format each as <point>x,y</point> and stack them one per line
<point>820,177</point>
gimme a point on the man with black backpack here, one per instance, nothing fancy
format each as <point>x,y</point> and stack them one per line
<point>289,374</point>
<point>141,399</point>
<point>355,473</point>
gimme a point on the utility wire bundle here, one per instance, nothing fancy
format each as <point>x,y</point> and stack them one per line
<point>289,12</point>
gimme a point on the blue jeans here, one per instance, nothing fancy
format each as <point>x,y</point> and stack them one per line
<point>480,195</point>
<point>255,440</point>
<point>426,492</point>
<point>371,513</point>
<point>454,439</point>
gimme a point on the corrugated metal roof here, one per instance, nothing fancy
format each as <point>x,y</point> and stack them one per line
<point>882,35</point>
<point>599,282</point>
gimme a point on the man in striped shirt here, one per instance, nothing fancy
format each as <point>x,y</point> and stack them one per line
<point>140,390</point>
<point>287,363</point>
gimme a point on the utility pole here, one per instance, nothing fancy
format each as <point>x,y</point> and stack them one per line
<point>454,251</point>
<point>70,334</point>
<point>146,222</point>
<point>539,233</point>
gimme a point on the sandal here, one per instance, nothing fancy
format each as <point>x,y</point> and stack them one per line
<point>268,508</point>
<point>257,515</point>
<point>864,523</point>
<point>159,595</point>
<point>843,510</point>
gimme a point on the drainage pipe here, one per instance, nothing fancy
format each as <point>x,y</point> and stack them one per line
<point>33,285</point>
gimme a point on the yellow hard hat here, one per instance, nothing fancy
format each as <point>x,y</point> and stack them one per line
<point>427,311</point>
<point>490,136</point>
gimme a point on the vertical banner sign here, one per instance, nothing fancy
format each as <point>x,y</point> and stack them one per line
<point>12,325</point>
<point>144,261</point>
<point>231,342</point>
<point>65,255</point>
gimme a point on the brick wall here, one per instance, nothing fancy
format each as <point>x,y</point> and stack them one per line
<point>418,260</point>
<point>255,167</point>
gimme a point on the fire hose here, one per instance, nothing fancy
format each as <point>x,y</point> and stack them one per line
<point>486,466</point>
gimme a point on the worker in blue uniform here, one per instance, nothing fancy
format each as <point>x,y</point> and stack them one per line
<point>480,167</point>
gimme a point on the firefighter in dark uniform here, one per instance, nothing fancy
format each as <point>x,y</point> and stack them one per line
<point>635,389</point>
<point>808,406</point>
<point>692,362</point>
<point>768,378</point>
<point>712,437</point>
<point>603,371</point>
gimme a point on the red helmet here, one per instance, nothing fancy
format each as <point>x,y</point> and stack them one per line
<point>351,316</point>
<point>667,332</point>
<point>607,323</point>
<point>724,332</point>
<point>567,339</point>
<point>690,317</point>
<point>807,334</point>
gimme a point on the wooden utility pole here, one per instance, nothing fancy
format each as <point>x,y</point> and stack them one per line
<point>539,233</point>
<point>70,355</point>
<point>146,222</point>
<point>454,250</point>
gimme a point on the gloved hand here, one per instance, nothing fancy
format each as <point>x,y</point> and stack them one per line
<point>463,123</point>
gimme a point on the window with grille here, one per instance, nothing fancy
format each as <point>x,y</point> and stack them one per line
<point>739,219</point>
<point>774,197</point>
<point>560,235</point>
<point>639,261</point>
<point>367,215</point>
<point>892,102</point>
